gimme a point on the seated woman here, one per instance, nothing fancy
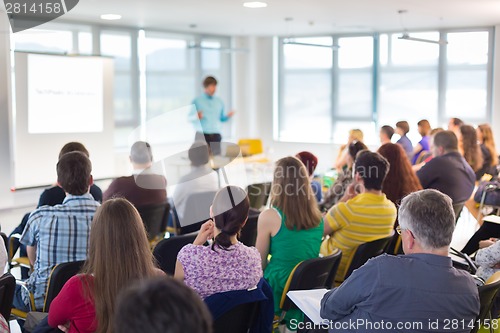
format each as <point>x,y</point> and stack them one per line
<point>290,231</point>
<point>344,178</point>
<point>488,148</point>
<point>227,264</point>
<point>488,258</point>
<point>342,159</point>
<point>424,129</point>
<point>311,162</point>
<point>119,254</point>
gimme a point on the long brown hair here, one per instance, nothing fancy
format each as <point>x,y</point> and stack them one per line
<point>291,192</point>
<point>472,152</point>
<point>119,254</point>
<point>401,179</point>
<point>489,142</point>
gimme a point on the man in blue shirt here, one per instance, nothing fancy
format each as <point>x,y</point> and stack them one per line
<point>54,235</point>
<point>417,292</point>
<point>211,114</point>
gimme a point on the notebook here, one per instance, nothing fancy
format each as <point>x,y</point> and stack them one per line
<point>309,302</point>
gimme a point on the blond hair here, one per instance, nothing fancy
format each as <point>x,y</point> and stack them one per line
<point>489,141</point>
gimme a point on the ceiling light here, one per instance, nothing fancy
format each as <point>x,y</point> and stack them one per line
<point>111,17</point>
<point>406,36</point>
<point>255,4</point>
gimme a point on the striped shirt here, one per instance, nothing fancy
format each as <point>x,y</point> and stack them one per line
<point>60,234</point>
<point>365,218</point>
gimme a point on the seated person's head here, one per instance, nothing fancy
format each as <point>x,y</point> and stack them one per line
<point>402,128</point>
<point>229,212</point>
<point>355,135</point>
<point>424,127</point>
<point>370,169</point>
<point>73,146</point>
<point>198,154</point>
<point>444,142</point>
<point>427,222</point>
<point>74,173</point>
<point>354,148</point>
<point>309,160</point>
<point>141,155</point>
<point>161,305</point>
<point>386,133</point>
<point>454,124</point>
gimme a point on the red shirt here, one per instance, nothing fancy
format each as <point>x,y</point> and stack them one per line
<point>72,305</point>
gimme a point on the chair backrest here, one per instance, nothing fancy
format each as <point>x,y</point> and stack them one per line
<point>155,218</point>
<point>7,287</point>
<point>366,251</point>
<point>457,208</point>
<point>58,277</point>
<point>239,319</point>
<point>197,211</point>
<point>166,251</point>
<point>250,146</point>
<point>258,194</point>
<point>314,273</point>
<point>248,235</point>
<point>487,295</point>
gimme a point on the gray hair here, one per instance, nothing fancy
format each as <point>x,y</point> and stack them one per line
<point>429,215</point>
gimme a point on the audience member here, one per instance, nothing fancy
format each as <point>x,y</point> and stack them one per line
<point>469,148</point>
<point>144,187</point>
<point>360,218</point>
<point>402,129</point>
<point>488,258</point>
<point>423,146</point>
<point>227,264</point>
<point>448,171</point>
<point>54,196</point>
<point>386,133</point>
<point>119,254</point>
<point>201,178</point>
<point>54,235</point>
<point>418,288</point>
<point>4,258</point>
<point>291,230</point>
<point>488,148</point>
<point>454,125</point>
<point>161,305</point>
<point>343,159</point>
<point>311,162</point>
<point>487,230</point>
<point>401,180</point>
<point>344,178</point>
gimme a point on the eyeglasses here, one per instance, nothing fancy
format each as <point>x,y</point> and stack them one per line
<point>399,230</point>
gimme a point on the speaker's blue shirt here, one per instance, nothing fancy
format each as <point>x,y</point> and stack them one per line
<point>213,111</point>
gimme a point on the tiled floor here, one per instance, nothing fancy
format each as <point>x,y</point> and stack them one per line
<point>466,226</point>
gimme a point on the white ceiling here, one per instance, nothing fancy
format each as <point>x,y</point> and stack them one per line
<point>229,17</point>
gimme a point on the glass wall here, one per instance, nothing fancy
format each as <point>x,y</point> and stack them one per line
<point>174,66</point>
<point>373,80</point>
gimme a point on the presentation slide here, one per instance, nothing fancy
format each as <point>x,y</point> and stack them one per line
<point>65,94</point>
<point>60,99</point>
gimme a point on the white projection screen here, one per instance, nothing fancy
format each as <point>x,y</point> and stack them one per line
<point>59,99</point>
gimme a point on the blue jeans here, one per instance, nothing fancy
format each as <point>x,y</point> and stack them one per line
<point>18,301</point>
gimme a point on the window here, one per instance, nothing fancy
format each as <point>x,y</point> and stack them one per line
<point>370,81</point>
<point>307,89</point>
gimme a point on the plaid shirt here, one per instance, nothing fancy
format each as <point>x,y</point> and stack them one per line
<point>60,234</point>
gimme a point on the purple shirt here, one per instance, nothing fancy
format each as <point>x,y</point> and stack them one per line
<point>209,272</point>
<point>425,144</point>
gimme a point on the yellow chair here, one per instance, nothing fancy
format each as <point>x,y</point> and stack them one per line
<point>487,296</point>
<point>251,146</point>
<point>16,262</point>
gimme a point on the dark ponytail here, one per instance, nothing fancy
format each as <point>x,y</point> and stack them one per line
<point>230,209</point>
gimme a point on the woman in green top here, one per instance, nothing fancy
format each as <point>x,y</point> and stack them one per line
<point>291,230</point>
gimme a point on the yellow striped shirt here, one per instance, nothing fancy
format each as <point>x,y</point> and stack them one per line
<point>365,218</point>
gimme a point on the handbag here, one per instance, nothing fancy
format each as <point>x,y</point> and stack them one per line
<point>488,193</point>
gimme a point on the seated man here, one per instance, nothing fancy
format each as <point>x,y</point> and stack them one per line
<point>360,218</point>
<point>54,196</point>
<point>386,133</point>
<point>144,187</point>
<point>201,178</point>
<point>448,171</point>
<point>417,292</point>
<point>59,234</point>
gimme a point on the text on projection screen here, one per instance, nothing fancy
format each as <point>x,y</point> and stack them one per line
<point>65,94</point>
